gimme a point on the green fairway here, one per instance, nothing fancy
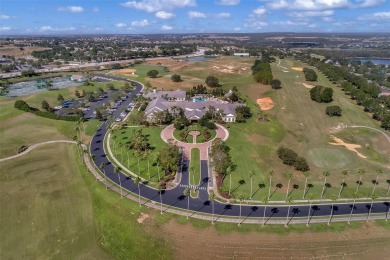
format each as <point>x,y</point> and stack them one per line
<point>53,209</point>
<point>121,139</point>
<point>195,167</point>
<point>46,209</point>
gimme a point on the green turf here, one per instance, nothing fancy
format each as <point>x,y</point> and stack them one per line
<point>121,138</point>
<point>46,209</point>
<point>195,167</point>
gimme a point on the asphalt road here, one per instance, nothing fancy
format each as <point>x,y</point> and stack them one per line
<point>175,197</point>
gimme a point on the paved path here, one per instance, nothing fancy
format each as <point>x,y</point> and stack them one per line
<point>32,147</point>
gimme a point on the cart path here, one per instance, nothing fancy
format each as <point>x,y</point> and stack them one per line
<point>32,147</point>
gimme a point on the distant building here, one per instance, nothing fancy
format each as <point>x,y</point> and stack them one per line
<point>241,54</point>
<point>78,78</point>
<point>193,110</point>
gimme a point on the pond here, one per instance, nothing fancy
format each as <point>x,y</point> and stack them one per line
<point>200,58</point>
<point>40,85</point>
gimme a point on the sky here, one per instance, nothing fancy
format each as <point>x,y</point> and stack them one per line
<point>49,17</point>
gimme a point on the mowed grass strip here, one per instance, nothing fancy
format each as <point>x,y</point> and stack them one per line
<point>195,167</point>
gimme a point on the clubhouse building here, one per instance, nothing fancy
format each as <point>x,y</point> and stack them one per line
<point>193,109</point>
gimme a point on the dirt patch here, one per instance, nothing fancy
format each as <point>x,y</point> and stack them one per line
<point>142,218</point>
<point>265,103</point>
<point>366,242</point>
<point>124,72</point>
<point>351,147</point>
<point>308,85</point>
<point>297,68</point>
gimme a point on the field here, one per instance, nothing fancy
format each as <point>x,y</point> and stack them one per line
<point>121,139</point>
<point>195,167</point>
<point>17,52</point>
<point>296,122</point>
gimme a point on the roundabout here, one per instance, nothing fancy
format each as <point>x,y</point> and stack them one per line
<point>205,206</point>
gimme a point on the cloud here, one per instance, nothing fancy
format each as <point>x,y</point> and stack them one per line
<point>4,28</point>
<point>96,9</point>
<point>4,17</point>
<point>291,23</point>
<point>166,27</point>
<point>121,25</point>
<point>140,23</point>
<point>256,24</point>
<point>375,16</point>
<point>48,28</point>
<point>370,3</point>
<point>237,29</point>
<point>222,15</point>
<point>259,11</point>
<point>228,2</point>
<point>151,6</point>
<point>72,9</point>
<point>311,14</point>
<point>193,14</point>
<point>164,15</point>
<point>310,5</point>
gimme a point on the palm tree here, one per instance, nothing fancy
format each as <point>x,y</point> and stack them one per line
<point>308,214</point>
<point>326,174</point>
<point>158,168</point>
<point>289,175</point>
<point>229,171</point>
<point>361,172</point>
<point>102,167</point>
<point>378,172</point>
<point>117,170</point>
<point>241,198</point>
<point>388,187</point>
<point>306,174</point>
<point>160,188</point>
<point>265,201</point>
<point>251,174</point>
<point>333,198</point>
<point>288,201</point>
<point>137,180</point>
<point>344,173</point>
<point>212,198</point>
<point>271,173</point>
<point>355,196</point>
<point>373,197</point>
<point>187,193</point>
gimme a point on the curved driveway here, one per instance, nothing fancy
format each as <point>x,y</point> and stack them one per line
<point>175,197</point>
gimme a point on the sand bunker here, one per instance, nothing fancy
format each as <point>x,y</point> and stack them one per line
<point>142,218</point>
<point>297,68</point>
<point>125,72</point>
<point>351,147</point>
<point>308,85</point>
<point>265,103</point>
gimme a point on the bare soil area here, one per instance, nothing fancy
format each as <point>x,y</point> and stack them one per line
<point>188,242</point>
<point>297,68</point>
<point>308,85</point>
<point>351,147</point>
<point>17,52</point>
<point>265,103</point>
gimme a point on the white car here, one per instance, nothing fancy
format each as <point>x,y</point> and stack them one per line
<point>118,119</point>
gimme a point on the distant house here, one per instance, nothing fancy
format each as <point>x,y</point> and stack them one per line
<point>78,78</point>
<point>241,54</point>
<point>193,110</point>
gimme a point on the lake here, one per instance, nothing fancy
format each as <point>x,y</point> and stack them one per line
<point>376,61</point>
<point>201,58</point>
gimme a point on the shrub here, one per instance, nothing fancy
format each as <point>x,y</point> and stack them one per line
<point>22,148</point>
<point>321,94</point>
<point>333,111</point>
<point>176,78</point>
<point>276,84</point>
<point>291,158</point>
<point>310,75</point>
<point>152,73</point>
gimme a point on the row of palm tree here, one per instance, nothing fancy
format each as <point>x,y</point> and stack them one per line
<point>325,185</point>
